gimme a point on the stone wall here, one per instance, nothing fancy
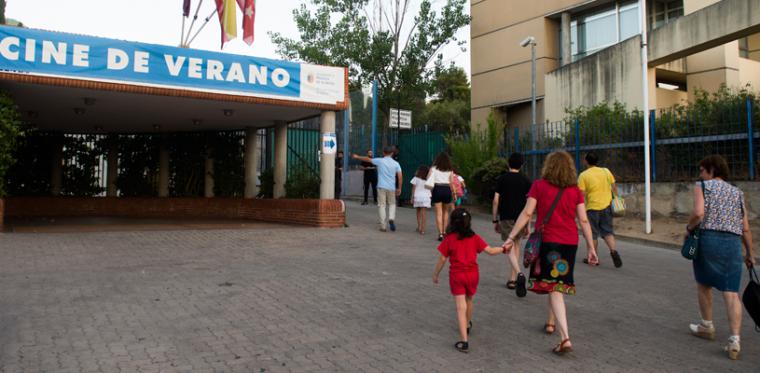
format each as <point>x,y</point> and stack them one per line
<point>670,199</point>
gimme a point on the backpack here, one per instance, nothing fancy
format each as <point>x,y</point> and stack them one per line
<point>458,188</point>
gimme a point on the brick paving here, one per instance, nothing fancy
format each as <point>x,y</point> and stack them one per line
<point>292,299</point>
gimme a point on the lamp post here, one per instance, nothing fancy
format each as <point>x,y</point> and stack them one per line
<point>645,105</point>
<point>532,42</point>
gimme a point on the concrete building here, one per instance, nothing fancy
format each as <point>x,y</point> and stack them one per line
<point>588,51</point>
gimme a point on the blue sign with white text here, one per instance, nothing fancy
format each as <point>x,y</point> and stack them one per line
<point>87,57</point>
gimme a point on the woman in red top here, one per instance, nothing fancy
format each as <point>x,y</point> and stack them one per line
<point>552,272</point>
<point>462,246</point>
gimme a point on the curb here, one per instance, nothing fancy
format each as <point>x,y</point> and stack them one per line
<point>644,241</point>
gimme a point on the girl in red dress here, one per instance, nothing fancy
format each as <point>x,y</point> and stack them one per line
<point>462,246</point>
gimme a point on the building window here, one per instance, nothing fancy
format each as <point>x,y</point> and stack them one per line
<point>744,47</point>
<point>603,27</point>
<point>663,11</point>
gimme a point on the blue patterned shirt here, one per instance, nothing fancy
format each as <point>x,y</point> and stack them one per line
<point>724,209</point>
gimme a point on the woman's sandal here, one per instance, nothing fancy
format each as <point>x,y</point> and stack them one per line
<point>462,346</point>
<point>511,285</point>
<point>562,349</point>
<point>549,328</point>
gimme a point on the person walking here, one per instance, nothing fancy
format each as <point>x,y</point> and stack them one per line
<point>721,214</point>
<point>388,176</point>
<point>558,203</point>
<point>443,192</point>
<point>598,185</point>
<point>421,197</point>
<point>461,247</point>
<point>508,201</point>
<point>370,178</point>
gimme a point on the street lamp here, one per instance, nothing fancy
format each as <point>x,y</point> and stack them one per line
<point>532,42</point>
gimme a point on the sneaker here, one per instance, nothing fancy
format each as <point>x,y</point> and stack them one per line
<point>520,288</point>
<point>383,230</point>
<point>391,225</point>
<point>733,348</point>
<point>616,258</point>
<point>440,237</point>
<point>364,203</point>
<point>702,331</point>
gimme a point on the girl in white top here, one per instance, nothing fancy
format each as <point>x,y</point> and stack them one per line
<point>442,193</point>
<point>421,197</point>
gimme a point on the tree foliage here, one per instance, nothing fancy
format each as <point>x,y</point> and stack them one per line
<point>10,130</point>
<point>470,151</point>
<point>449,110</point>
<point>393,49</point>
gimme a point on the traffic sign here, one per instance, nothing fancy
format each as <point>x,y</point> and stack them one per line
<point>406,119</point>
<point>329,143</point>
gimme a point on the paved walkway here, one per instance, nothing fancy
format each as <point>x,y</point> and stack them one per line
<point>302,299</point>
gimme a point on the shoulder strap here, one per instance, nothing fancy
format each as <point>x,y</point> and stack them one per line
<point>551,209</point>
<point>704,200</point>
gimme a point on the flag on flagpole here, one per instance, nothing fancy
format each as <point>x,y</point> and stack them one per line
<point>227,19</point>
<point>186,8</point>
<point>249,14</point>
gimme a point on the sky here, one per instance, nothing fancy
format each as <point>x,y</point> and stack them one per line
<point>160,22</point>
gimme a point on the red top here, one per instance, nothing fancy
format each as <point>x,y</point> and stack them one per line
<point>462,254</point>
<point>561,227</point>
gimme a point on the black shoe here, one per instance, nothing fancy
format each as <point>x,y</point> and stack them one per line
<point>520,289</point>
<point>616,259</point>
<point>585,261</point>
<point>364,203</point>
<point>391,225</point>
<point>440,237</point>
<point>462,346</point>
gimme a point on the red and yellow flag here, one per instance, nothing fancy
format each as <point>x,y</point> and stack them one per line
<point>227,19</point>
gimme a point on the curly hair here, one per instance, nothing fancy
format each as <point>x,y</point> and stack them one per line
<point>716,165</point>
<point>559,169</point>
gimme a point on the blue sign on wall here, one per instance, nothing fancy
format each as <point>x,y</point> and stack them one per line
<point>86,57</point>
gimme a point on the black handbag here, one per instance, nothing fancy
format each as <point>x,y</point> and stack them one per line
<point>691,244</point>
<point>751,297</point>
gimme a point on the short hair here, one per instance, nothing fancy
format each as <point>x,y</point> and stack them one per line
<point>516,160</point>
<point>559,169</point>
<point>716,165</point>
<point>442,162</point>
<point>388,149</point>
<point>592,158</point>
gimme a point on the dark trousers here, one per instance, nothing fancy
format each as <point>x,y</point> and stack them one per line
<point>370,179</point>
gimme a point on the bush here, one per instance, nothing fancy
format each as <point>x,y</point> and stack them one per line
<point>483,180</point>
<point>10,130</point>
<point>302,185</point>
<point>266,187</point>
<point>472,151</point>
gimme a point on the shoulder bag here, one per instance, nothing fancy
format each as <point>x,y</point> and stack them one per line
<point>618,203</point>
<point>751,296</point>
<point>430,181</point>
<point>533,245</point>
<point>691,244</point>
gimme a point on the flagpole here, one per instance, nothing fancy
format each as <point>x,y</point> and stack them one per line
<point>645,104</point>
<point>202,26</point>
<point>190,29</point>
<point>182,34</point>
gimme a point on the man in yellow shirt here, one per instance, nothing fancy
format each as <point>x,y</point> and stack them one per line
<point>598,186</point>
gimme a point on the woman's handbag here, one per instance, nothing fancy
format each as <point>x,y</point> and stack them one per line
<point>533,245</point>
<point>751,297</point>
<point>691,244</point>
<point>430,181</point>
<point>618,203</point>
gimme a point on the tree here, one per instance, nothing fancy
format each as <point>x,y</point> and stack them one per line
<point>10,130</point>
<point>375,39</point>
<point>449,110</point>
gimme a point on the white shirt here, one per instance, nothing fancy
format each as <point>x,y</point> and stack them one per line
<point>420,192</point>
<point>440,177</point>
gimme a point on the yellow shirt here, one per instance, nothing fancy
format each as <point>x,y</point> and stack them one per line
<point>595,183</point>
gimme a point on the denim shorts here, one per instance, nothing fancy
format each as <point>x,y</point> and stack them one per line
<point>601,222</point>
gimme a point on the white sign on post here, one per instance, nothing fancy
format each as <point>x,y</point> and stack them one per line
<point>329,143</point>
<point>406,119</point>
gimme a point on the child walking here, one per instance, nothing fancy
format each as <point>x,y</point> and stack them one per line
<point>462,246</point>
<point>421,197</point>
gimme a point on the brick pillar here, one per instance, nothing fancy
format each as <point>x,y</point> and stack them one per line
<point>280,158</point>
<point>252,160</point>
<point>327,161</point>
